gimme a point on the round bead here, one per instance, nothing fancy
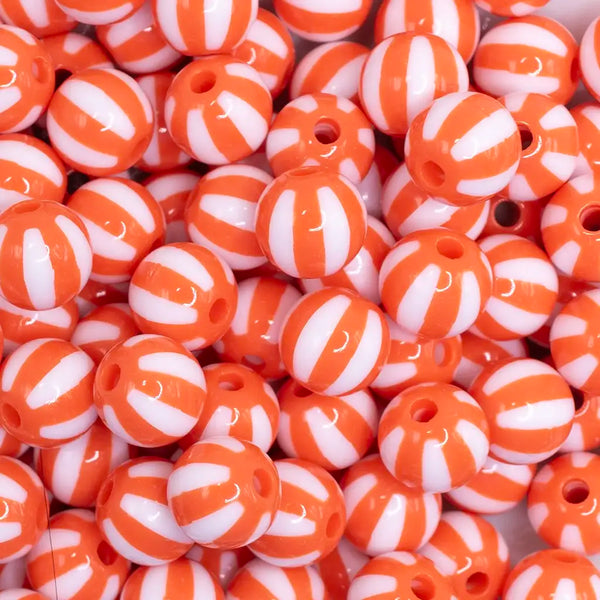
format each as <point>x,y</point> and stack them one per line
<point>149,390</point>
<point>185,292</point>
<point>334,342</point>
<point>99,12</point>
<point>10,446</point>
<point>517,218</point>
<point>511,8</point>
<point>589,60</point>
<point>100,121</point>
<point>529,408</point>
<point>218,110</point>
<point>435,283</point>
<point>587,119</point>
<point>21,594</point>
<point>339,567</point>
<point>397,81</point>
<point>221,564</point>
<point>40,17</point>
<point>12,574</point>
<point>73,52</point>
<point>224,492</point>
<point>585,432</point>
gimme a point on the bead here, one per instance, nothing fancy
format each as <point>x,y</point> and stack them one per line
<point>321,130</point>
<point>361,274</point>
<point>332,68</point>
<point>585,432</point>
<point>587,119</point>
<point>339,567</point>
<point>218,110</point>
<point>21,594</point>
<point>370,188</point>
<point>463,149</point>
<point>319,23</point>
<point>96,294</point>
<point>12,574</point>
<point>456,21</point>
<point>46,397</point>
<point>149,390</point>
<point>588,59</point>
<point>545,64</point>
<point>497,488</point>
<point>511,8</point>
<point>40,17</point>
<point>72,557</point>
<point>99,12</point>
<point>23,509</point>
<point>253,337</point>
<point>407,208</point>
<point>400,575</point>
<point>517,218</point>
<point>334,342</point>
<point>529,408</point>
<point>374,526</point>
<point>240,404</point>
<point>10,446</point>
<point>179,579</point>
<point>73,52</point>
<point>100,122</point>
<point>221,564</point>
<point>397,81</point>
<point>435,283</point>
<point>220,214</point>
<point>332,432</point>
<point>224,492</point>
<point>75,471</point>
<point>310,519</point>
<point>195,288</point>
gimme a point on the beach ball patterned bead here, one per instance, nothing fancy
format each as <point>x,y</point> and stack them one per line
<point>149,390</point>
<point>339,567</point>
<point>224,492</point>
<point>221,211</point>
<point>404,74</point>
<point>463,149</point>
<point>589,57</point>
<point>383,514</point>
<point>40,17</point>
<point>12,574</point>
<point>71,560</point>
<point>587,119</point>
<point>46,392</point>
<point>185,292</point>
<point>585,432</point>
<point>529,408</point>
<point>222,564</point>
<point>100,122</point>
<point>311,222</point>
<point>321,130</point>
<point>75,471</point>
<point>99,12</point>
<point>96,294</point>
<point>24,506</point>
<point>435,283</point>
<point>10,446</point>
<point>517,218</point>
<point>511,8</point>
<point>334,342</point>
<point>73,52</point>
<point>21,594</point>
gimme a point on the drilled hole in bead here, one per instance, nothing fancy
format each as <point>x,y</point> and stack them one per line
<point>441,354</point>
<point>564,556</point>
<point>253,362</point>
<point>203,82</point>
<point>326,131</point>
<point>507,213</point>
<point>231,382</point>
<point>301,392</point>
<point>432,174</point>
<point>110,376</point>
<point>422,411</point>
<point>11,416</point>
<point>576,491</point>
<point>106,554</point>
<point>477,583</point>
<point>105,491</point>
<point>578,399</point>
<point>60,76</point>
<point>41,69</point>
<point>22,208</point>
<point>218,311</point>
<point>422,587</point>
<point>450,248</point>
<point>590,218</point>
<point>334,525</point>
<point>305,172</point>
<point>262,483</point>
<point>526,136</point>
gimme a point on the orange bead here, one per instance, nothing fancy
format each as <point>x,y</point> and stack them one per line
<point>587,118</point>
<point>511,8</point>
<point>99,12</point>
<point>339,567</point>
<point>517,218</point>
<point>40,17</point>
<point>221,564</point>
<point>73,52</point>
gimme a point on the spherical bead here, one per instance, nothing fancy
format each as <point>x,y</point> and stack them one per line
<point>10,446</point>
<point>99,12</point>
<point>185,292</point>
<point>224,492</point>
<point>374,502</point>
<point>517,218</point>
<point>339,567</point>
<point>529,408</point>
<point>545,63</point>
<point>585,432</point>
<point>587,119</point>
<point>100,121</point>
<point>96,294</point>
<point>12,574</point>
<point>40,17</point>
<point>589,59</point>
<point>149,390</point>
<point>321,130</point>
<point>511,8</point>
<point>73,52</point>
<point>221,564</point>
<point>218,110</point>
<point>435,283</point>
<point>46,397</point>
<point>72,557</point>
<point>370,188</point>
<point>74,471</point>
<point>21,594</point>
<point>402,76</point>
<point>221,210</point>
<point>334,342</point>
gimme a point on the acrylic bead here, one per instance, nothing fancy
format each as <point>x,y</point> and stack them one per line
<point>334,342</point>
<point>404,74</point>
<point>224,492</point>
<point>339,567</point>
<point>99,12</point>
<point>585,432</point>
<point>221,564</point>
<point>73,52</point>
<point>511,8</point>
<point>10,446</point>
<point>516,218</point>
<point>21,594</point>
<point>12,574</point>
<point>46,397</point>
<point>587,119</point>
<point>588,59</point>
<point>40,17</point>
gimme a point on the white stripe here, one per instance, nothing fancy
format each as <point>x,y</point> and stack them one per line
<point>194,476</point>
<point>38,270</point>
<point>546,414</point>
<point>233,210</point>
<point>30,157</point>
<point>184,263</point>
<point>336,230</point>
<point>202,146</point>
<point>301,478</point>
<point>173,364</point>
<point>251,125</point>
<point>71,428</point>
<point>206,530</point>
<point>123,547</point>
<point>160,310</point>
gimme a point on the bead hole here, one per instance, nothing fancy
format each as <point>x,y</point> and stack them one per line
<point>450,248</point>
<point>203,82</point>
<point>575,491</point>
<point>231,382</point>
<point>11,416</point>
<point>110,377</point>
<point>590,218</point>
<point>565,556</point>
<point>441,354</point>
<point>477,583</point>
<point>218,311</point>
<point>423,411</point>
<point>526,136</point>
<point>326,131</point>
<point>432,174</point>
<point>578,399</point>
<point>334,525</point>
<point>507,213</point>
<point>106,553</point>
<point>305,172</point>
<point>105,491</point>
<point>40,69</point>
<point>261,483</point>
<point>422,587</point>
<point>22,208</point>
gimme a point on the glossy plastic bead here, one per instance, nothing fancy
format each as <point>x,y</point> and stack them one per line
<point>24,509</point>
<point>10,446</point>
<point>445,153</point>
<point>435,283</point>
<point>21,594</point>
<point>40,17</point>
<point>517,218</point>
<point>370,188</point>
<point>546,63</point>
<point>100,121</point>
<point>149,390</point>
<point>221,211</point>
<point>185,292</point>
<point>339,567</point>
<point>221,564</point>
<point>224,492</point>
<point>456,21</point>
<point>323,23</point>
<point>72,557</point>
<point>497,488</point>
<point>321,130</point>
<point>218,110</point>
<point>12,574</point>
<point>374,502</point>
<point>96,294</point>
<point>587,119</point>
<point>253,337</point>
<point>310,519</point>
<point>589,60</point>
<point>74,471</point>
<point>585,432</point>
<point>99,12</point>
<point>73,52</point>
<point>404,74</point>
<point>46,397</point>
<point>332,68</point>
<point>334,342</point>
<point>529,408</point>
<point>511,8</point>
